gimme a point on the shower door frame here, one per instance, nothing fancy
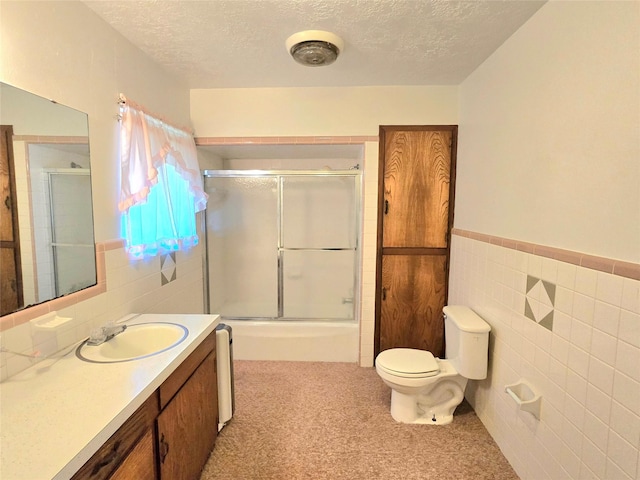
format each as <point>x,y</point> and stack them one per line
<point>279,174</point>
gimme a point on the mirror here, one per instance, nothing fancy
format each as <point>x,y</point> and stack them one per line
<point>47,247</point>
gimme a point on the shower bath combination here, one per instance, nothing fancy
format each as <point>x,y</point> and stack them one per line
<point>283,247</point>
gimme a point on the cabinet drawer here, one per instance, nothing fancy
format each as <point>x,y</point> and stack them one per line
<point>172,384</point>
<point>105,461</point>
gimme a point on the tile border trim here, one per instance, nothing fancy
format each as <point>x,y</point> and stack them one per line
<point>601,264</point>
<point>51,139</point>
<point>287,140</point>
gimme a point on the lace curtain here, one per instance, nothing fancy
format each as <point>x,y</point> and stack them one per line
<point>161,185</point>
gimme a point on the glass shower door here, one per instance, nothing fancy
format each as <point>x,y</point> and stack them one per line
<point>318,246</point>
<point>72,247</point>
<point>242,231</point>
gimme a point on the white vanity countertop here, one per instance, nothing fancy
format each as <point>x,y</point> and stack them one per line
<point>58,413</point>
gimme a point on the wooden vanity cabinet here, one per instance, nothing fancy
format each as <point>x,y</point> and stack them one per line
<point>117,449</point>
<point>187,427</point>
<point>171,436</point>
<point>140,464</point>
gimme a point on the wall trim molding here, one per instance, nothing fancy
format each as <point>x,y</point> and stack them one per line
<point>61,139</point>
<point>290,140</point>
<point>601,264</point>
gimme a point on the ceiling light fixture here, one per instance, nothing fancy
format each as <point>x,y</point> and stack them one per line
<point>314,48</point>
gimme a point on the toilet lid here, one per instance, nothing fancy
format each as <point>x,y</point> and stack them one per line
<point>408,362</point>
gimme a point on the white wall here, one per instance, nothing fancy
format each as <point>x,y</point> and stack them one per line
<point>549,153</point>
<point>549,133</point>
<point>64,51</point>
<point>232,112</point>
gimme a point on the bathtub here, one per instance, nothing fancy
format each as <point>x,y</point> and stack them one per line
<point>294,340</point>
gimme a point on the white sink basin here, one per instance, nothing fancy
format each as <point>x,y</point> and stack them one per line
<point>137,341</point>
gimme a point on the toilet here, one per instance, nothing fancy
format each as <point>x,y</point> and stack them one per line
<point>426,389</point>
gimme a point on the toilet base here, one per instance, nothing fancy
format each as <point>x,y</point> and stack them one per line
<point>434,408</point>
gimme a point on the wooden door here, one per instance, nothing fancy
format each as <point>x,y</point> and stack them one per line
<point>188,426</point>
<point>416,181</point>
<point>10,269</point>
<point>415,216</point>
<point>413,295</point>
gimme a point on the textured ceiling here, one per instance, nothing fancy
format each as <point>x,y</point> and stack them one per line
<point>241,43</point>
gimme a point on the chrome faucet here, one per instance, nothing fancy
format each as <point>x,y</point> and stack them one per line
<point>105,333</point>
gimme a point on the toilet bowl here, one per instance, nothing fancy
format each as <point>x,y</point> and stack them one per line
<point>419,396</point>
<point>427,390</point>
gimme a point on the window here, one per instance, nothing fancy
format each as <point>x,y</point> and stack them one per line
<point>161,186</point>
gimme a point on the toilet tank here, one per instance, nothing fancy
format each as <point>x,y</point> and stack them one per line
<point>467,341</point>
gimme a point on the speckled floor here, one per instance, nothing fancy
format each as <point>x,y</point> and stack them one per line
<point>302,420</point>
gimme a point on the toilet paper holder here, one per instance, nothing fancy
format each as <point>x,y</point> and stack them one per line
<point>526,397</point>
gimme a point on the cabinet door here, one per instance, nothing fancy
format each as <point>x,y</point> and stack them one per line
<point>416,183</point>
<point>11,298</point>
<point>129,437</point>
<point>188,426</point>
<point>413,294</point>
<point>140,463</point>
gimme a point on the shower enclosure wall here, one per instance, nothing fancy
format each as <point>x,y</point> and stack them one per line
<point>282,251</point>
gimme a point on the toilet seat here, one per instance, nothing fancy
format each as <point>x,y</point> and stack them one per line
<point>408,363</point>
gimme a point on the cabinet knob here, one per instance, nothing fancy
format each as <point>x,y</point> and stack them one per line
<point>164,448</point>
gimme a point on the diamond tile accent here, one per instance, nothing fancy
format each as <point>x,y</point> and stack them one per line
<point>168,268</point>
<point>551,290</point>
<point>540,301</point>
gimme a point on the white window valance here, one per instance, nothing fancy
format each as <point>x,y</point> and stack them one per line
<point>161,185</point>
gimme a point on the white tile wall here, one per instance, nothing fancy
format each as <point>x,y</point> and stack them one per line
<point>587,368</point>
